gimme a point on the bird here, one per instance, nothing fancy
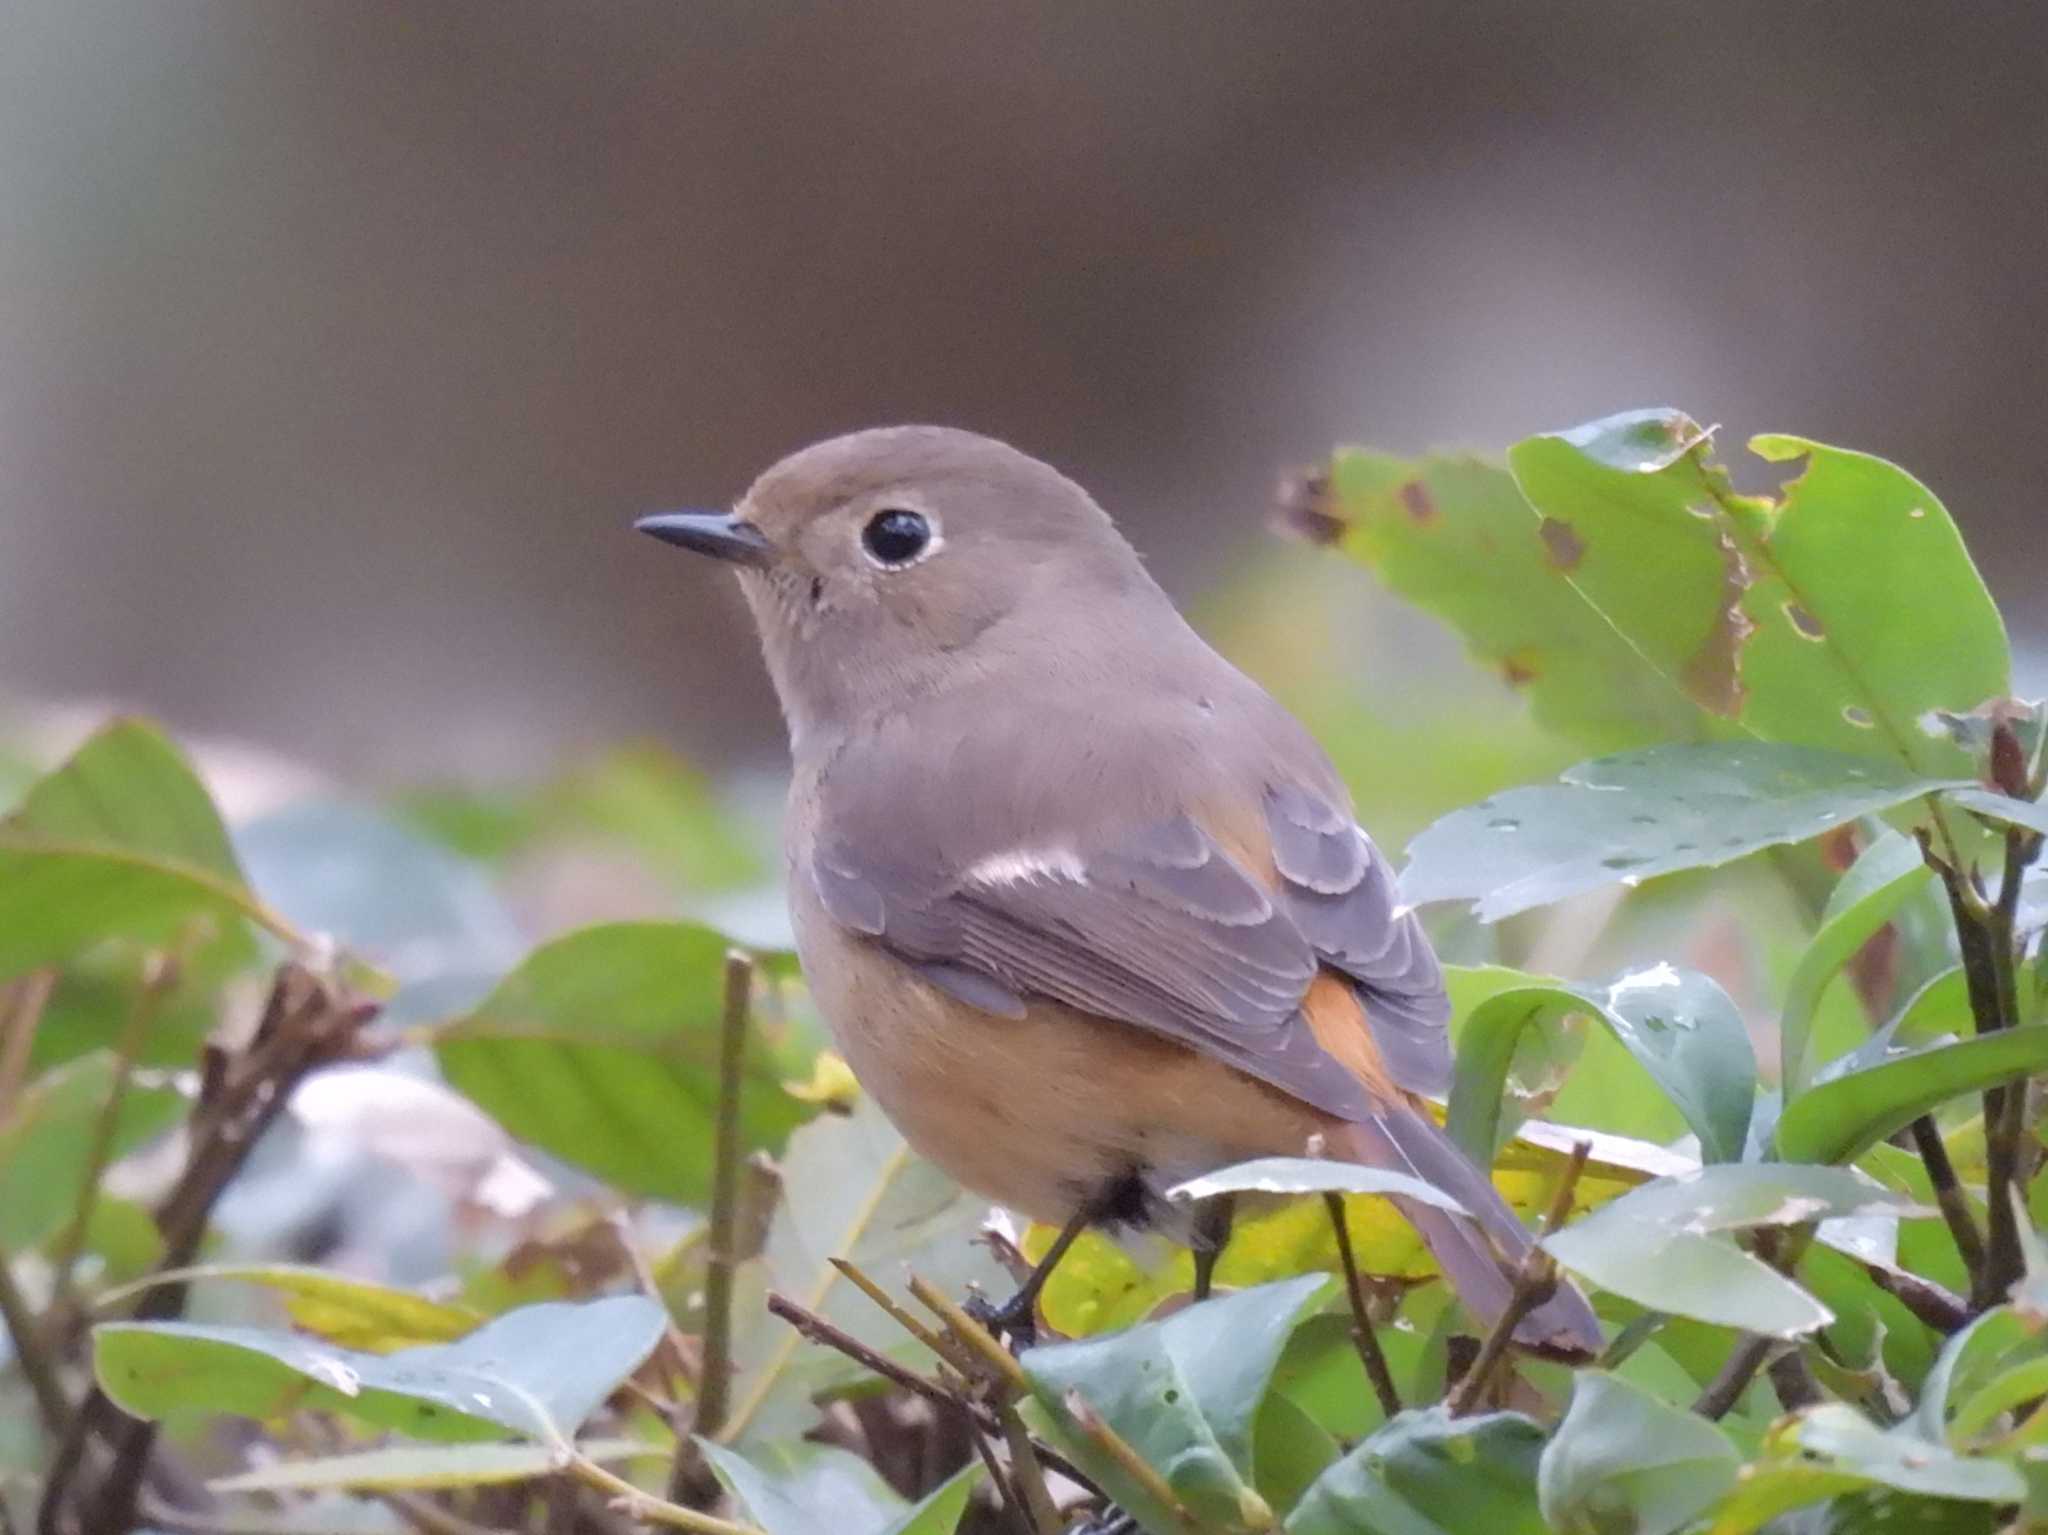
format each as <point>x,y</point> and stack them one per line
<point>1086,911</point>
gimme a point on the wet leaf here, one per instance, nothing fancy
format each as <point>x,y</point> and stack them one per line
<point>122,839</point>
<point>1299,1175</point>
<point>1877,884</point>
<point>602,1048</point>
<point>1427,1473</point>
<point>1641,814</point>
<point>1678,1025</point>
<point>538,1372</point>
<point>1185,1393</point>
<point>1842,1117</point>
<point>1456,538</point>
<point>1624,1463</point>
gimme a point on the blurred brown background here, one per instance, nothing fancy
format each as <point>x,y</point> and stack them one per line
<point>339,341</point>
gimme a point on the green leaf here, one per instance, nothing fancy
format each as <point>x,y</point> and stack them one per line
<point>1301,1175</point>
<point>1185,1393</point>
<point>1877,884</point>
<point>1737,1198</point>
<point>1839,1438</point>
<point>1791,616</point>
<point>852,1189</point>
<point>121,839</point>
<point>1838,1119</point>
<point>1986,1369</point>
<point>46,1143</point>
<point>426,1468</point>
<point>602,1049</point>
<point>1624,1463</point>
<point>539,1371</point>
<point>1640,814</point>
<point>1291,1448</point>
<point>1427,1473</point>
<point>353,1313</point>
<point>1456,538</point>
<point>797,1488</point>
<point>1689,1274</point>
<point>1679,1025</point>
<point>2027,813</point>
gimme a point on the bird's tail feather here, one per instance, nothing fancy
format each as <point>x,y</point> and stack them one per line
<point>1476,1253</point>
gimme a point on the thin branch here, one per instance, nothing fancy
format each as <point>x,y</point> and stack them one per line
<point>644,1506</point>
<point>970,1332</point>
<point>37,1368</point>
<point>1363,1337</point>
<point>1027,1475</point>
<point>1128,1460</point>
<point>714,1384</point>
<point>160,976</point>
<point>818,1330</point>
<point>944,1348</point>
<point>1535,1283</point>
<point>21,1011</point>
<point>1736,1372</point>
<point>305,1025</point>
<point>1793,1379</point>
<point>1949,1196</point>
<point>1940,1308</point>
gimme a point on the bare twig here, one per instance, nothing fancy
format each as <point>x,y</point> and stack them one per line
<point>978,1339</point>
<point>1937,1306</point>
<point>37,1367</point>
<point>161,972</point>
<point>1535,1283</point>
<point>1793,1379</point>
<point>1027,1475</point>
<point>305,1025</point>
<point>944,1348</point>
<point>644,1506</point>
<point>1128,1460</point>
<point>714,1385</point>
<point>21,1010</point>
<point>1740,1368</point>
<point>1949,1196</point>
<point>818,1330</point>
<point>1363,1337</point>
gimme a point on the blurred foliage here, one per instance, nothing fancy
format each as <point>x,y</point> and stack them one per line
<point>1746,1016</point>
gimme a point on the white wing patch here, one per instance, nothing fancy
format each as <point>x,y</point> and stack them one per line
<point>1019,865</point>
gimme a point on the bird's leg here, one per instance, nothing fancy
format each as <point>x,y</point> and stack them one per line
<point>1016,1318</point>
<point>1210,1236</point>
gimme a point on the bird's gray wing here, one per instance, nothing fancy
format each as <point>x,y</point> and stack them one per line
<point>1339,891</point>
<point>1154,925</point>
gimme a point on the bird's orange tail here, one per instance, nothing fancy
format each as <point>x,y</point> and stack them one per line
<point>1477,1253</point>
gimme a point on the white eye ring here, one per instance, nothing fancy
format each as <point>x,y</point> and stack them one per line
<point>898,537</point>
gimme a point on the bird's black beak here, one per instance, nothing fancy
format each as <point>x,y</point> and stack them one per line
<point>722,535</point>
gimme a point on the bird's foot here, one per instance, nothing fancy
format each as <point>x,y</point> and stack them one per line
<point>1110,1521</point>
<point>1014,1322</point>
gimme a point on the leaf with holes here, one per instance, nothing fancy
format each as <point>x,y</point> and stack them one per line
<point>121,840</point>
<point>1456,538</point>
<point>538,1372</point>
<point>1785,615</point>
<point>1640,814</point>
<point>1624,1461</point>
<point>1679,1025</point>
<point>602,1048</point>
<point>1184,1393</point>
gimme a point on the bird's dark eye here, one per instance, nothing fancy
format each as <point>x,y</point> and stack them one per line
<point>895,537</point>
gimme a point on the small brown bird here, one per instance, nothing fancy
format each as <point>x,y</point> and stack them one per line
<point>1087,911</point>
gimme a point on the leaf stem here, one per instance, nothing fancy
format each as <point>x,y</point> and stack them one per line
<point>21,1010</point>
<point>714,1387</point>
<point>1362,1335</point>
<point>1028,1475</point>
<point>1949,1196</point>
<point>1535,1282</point>
<point>942,1347</point>
<point>1128,1460</point>
<point>644,1506</point>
